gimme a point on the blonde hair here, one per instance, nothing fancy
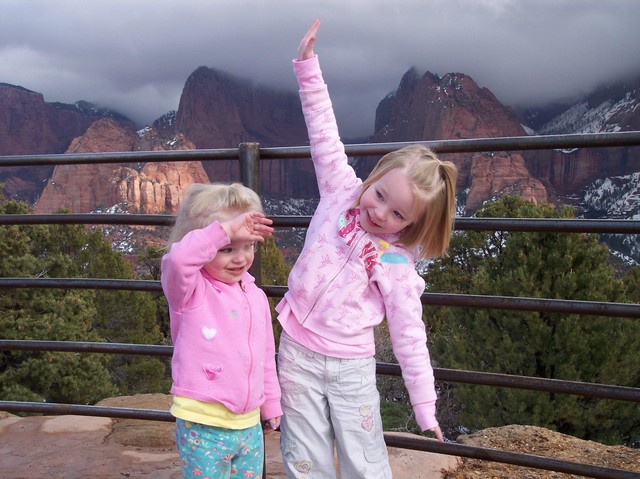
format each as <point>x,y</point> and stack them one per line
<point>434,189</point>
<point>205,203</point>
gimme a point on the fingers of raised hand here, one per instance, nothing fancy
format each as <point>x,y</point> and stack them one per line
<point>305,49</point>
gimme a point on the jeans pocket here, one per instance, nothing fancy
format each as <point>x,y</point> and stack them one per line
<point>293,369</point>
<point>357,380</point>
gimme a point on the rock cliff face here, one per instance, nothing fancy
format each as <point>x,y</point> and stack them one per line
<point>430,107</point>
<point>31,126</point>
<point>218,110</point>
<point>149,188</point>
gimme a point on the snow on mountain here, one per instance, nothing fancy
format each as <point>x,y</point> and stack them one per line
<point>616,197</point>
<point>583,118</point>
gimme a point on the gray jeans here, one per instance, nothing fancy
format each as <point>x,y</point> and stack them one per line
<point>329,402</point>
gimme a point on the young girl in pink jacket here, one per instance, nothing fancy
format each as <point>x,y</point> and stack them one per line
<point>356,268</point>
<point>223,364</point>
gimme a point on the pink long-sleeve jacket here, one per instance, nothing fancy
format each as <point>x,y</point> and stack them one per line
<point>346,280</point>
<point>224,349</point>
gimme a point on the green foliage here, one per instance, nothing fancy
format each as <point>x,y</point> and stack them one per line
<point>71,315</point>
<point>398,417</point>
<point>275,271</point>
<point>151,259</point>
<point>548,345</point>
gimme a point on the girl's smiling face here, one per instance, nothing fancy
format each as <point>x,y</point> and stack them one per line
<point>232,261</point>
<point>386,207</point>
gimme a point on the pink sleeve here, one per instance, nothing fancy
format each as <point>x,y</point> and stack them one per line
<point>271,407</point>
<point>333,172</point>
<point>181,266</point>
<point>308,73</point>
<point>401,288</point>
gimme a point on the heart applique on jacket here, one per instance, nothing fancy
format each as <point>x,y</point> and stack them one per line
<point>212,371</point>
<point>208,333</point>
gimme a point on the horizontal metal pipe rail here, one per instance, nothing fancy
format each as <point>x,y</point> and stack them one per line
<point>603,391</point>
<point>512,143</point>
<point>550,225</point>
<point>594,308</point>
<point>417,443</point>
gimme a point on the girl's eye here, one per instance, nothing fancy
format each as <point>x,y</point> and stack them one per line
<point>225,250</point>
<point>251,247</point>
<point>378,195</point>
<point>398,215</point>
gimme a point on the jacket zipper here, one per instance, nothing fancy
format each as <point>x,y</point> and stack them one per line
<point>328,283</point>
<point>250,375</point>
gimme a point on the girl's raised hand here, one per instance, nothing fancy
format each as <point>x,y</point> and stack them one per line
<point>251,226</point>
<point>305,49</point>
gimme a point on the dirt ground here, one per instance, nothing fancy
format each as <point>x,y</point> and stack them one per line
<point>70,447</point>
<point>539,442</point>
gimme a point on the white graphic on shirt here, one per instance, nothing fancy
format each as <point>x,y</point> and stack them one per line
<point>209,333</point>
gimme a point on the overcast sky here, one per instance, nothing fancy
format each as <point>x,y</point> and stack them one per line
<point>134,56</point>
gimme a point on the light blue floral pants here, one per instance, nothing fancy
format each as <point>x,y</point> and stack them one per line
<point>209,452</point>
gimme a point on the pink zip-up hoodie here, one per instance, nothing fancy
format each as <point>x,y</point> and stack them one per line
<point>224,348</point>
<point>346,280</point>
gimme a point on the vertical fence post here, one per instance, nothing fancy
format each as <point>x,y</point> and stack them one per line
<point>249,154</point>
<point>250,176</point>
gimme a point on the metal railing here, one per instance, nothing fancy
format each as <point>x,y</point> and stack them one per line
<point>249,156</point>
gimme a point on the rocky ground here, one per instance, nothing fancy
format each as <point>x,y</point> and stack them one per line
<point>539,442</point>
<point>85,447</point>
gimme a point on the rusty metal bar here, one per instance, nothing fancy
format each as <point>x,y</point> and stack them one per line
<point>577,388</point>
<point>283,221</point>
<point>85,347</point>
<point>506,457</point>
<point>414,443</point>
<point>119,157</point>
<point>513,143</point>
<point>604,391</point>
<point>594,308</point>
<point>249,154</point>
<point>81,283</point>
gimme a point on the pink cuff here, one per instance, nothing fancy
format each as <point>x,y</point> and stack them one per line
<point>426,415</point>
<point>308,73</point>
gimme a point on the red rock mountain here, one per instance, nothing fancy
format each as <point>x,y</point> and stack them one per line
<point>149,188</point>
<point>219,111</point>
<point>430,107</point>
<point>31,126</point>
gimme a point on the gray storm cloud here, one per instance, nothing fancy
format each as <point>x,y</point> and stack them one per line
<point>136,56</point>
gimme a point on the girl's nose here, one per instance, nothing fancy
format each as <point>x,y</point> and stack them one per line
<point>379,214</point>
<point>238,258</point>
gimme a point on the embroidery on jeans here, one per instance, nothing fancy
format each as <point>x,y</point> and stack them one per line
<point>367,422</point>
<point>303,466</point>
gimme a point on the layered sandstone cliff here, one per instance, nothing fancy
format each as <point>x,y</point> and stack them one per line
<point>148,188</point>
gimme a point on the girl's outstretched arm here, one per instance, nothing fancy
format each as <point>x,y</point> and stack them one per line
<point>305,49</point>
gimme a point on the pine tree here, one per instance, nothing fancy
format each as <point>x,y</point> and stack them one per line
<point>45,314</point>
<point>547,345</point>
<point>72,251</point>
<point>275,271</point>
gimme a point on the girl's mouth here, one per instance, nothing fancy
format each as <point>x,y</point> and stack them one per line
<point>371,221</point>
